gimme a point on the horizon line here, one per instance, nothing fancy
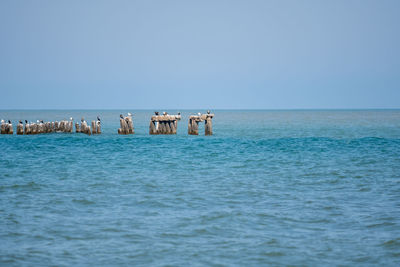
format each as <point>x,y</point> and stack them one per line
<point>221,109</point>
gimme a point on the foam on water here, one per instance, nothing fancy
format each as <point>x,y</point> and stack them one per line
<point>269,187</point>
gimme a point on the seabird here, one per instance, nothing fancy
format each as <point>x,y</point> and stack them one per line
<point>20,121</point>
<point>199,114</point>
<point>156,112</point>
<point>208,112</point>
<point>164,113</point>
<point>82,119</point>
<point>26,121</point>
<point>98,118</point>
<point>9,121</point>
<point>129,114</point>
<point>71,118</point>
<point>120,115</point>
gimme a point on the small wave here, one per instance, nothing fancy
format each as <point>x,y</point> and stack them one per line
<point>83,201</point>
<point>377,225</point>
<point>393,243</point>
<point>273,254</point>
<point>29,186</point>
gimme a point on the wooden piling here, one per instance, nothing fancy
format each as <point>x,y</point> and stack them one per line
<point>98,127</point>
<point>172,127</point>
<point>33,128</point>
<point>190,127</point>
<point>77,128</point>
<point>61,127</point>
<point>20,128</point>
<point>70,125</point>
<point>164,124</point>
<point>85,128</point>
<point>161,127</point>
<point>26,129</point>
<point>208,126</point>
<point>123,126</point>
<point>9,128</point>
<point>94,128</point>
<point>130,124</point>
<point>152,127</point>
<point>126,125</point>
<point>3,127</point>
<point>193,126</point>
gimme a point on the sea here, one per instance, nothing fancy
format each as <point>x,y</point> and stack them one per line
<point>268,188</point>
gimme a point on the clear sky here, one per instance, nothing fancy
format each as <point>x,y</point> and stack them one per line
<point>199,54</point>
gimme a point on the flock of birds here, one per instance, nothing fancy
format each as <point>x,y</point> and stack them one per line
<point>40,126</point>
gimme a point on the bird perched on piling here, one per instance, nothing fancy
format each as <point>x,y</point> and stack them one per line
<point>156,113</point>
<point>98,118</point>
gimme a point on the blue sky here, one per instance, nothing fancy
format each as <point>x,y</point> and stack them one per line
<point>199,54</point>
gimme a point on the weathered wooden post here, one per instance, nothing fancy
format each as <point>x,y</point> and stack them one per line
<point>70,125</point>
<point>193,126</point>
<point>84,127</point>
<point>152,127</point>
<point>33,128</point>
<point>164,124</point>
<point>3,127</point>
<point>26,129</point>
<point>94,128</point>
<point>208,123</point>
<point>47,127</point>
<point>20,128</point>
<point>98,125</point>
<point>61,126</point>
<point>126,124</point>
<point>10,128</point>
<point>6,127</point>
<point>162,127</point>
<point>130,124</point>
<point>39,127</point>
<point>123,125</point>
<point>77,128</point>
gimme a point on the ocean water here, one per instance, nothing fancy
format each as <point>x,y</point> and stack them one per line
<point>301,188</point>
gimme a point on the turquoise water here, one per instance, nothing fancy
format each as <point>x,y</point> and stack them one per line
<point>268,188</point>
